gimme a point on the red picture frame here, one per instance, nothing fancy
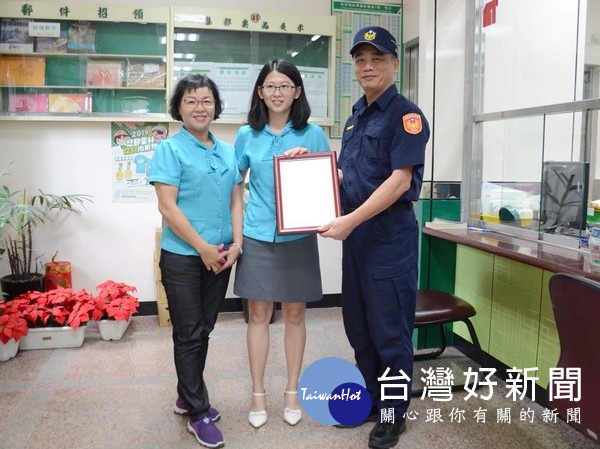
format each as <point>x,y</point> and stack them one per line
<point>307,193</point>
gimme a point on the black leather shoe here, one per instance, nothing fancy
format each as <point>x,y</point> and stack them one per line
<point>386,435</point>
<point>371,418</point>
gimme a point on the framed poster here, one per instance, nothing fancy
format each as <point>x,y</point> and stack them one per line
<point>307,193</point>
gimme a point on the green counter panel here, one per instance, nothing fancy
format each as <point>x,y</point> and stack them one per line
<point>437,257</point>
<point>474,278</point>
<point>437,261</point>
<point>515,321</point>
<point>548,342</point>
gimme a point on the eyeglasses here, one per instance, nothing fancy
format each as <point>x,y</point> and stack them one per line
<point>191,102</point>
<point>270,89</point>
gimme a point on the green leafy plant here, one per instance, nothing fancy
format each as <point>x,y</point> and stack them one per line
<point>20,214</point>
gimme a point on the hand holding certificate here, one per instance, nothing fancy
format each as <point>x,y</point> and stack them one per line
<point>306,192</point>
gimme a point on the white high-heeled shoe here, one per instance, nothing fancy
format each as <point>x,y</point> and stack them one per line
<point>292,416</point>
<point>257,419</point>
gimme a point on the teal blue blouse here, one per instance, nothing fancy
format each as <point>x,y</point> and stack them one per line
<point>205,177</point>
<point>255,150</point>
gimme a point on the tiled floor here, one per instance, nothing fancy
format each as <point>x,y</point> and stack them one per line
<point>119,395</point>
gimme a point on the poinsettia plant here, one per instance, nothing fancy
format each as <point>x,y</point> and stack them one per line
<point>67,307</point>
<point>115,301</point>
<point>56,307</point>
<point>12,323</point>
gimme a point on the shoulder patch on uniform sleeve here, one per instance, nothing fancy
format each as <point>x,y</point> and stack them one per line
<point>412,123</point>
<point>349,127</point>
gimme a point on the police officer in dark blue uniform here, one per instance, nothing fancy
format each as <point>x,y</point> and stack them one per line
<point>381,170</point>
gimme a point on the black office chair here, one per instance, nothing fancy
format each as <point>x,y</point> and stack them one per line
<point>576,306</point>
<point>437,308</point>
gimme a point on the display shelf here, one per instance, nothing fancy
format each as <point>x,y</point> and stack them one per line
<point>122,61</point>
<point>61,61</point>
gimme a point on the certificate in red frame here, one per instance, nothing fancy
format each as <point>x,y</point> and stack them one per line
<point>307,193</point>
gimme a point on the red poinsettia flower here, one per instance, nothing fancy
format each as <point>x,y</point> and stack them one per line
<point>12,307</point>
<point>12,325</point>
<point>36,314</point>
<point>99,311</point>
<point>80,314</point>
<point>121,308</point>
<point>114,301</point>
<point>64,306</point>
<point>56,307</point>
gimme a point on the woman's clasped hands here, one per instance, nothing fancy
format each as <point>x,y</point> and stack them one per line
<point>219,257</point>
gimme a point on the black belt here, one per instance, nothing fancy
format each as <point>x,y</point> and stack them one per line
<point>400,206</point>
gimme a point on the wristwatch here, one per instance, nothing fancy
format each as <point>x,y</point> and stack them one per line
<point>238,247</point>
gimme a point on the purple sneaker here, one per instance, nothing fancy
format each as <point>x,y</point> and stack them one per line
<point>206,433</point>
<point>181,408</point>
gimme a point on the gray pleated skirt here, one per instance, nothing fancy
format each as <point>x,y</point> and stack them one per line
<point>279,272</point>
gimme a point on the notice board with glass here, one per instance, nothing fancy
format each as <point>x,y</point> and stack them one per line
<point>79,61</point>
<point>351,16</point>
<point>231,47</point>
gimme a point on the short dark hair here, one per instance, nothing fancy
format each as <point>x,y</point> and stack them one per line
<point>191,83</point>
<point>259,114</point>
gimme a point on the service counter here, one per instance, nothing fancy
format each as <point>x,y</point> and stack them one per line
<point>535,253</point>
<point>506,279</point>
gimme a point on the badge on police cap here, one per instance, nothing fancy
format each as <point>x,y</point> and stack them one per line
<point>370,35</point>
<point>412,123</point>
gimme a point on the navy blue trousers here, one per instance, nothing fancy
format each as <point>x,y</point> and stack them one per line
<point>379,284</point>
<point>194,297</point>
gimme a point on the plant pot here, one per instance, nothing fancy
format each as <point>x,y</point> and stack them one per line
<point>52,338</point>
<point>112,329</point>
<point>13,286</point>
<point>8,350</point>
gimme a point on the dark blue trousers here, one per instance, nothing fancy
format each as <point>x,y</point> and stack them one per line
<point>379,283</point>
<point>194,297</point>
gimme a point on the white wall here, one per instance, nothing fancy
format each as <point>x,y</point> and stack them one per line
<point>116,240</point>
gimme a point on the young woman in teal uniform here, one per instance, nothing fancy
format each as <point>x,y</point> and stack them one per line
<point>199,190</point>
<point>275,268</point>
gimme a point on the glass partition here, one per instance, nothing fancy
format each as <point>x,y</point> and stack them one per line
<point>535,119</point>
<point>529,55</point>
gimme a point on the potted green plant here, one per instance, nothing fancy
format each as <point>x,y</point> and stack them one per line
<point>20,215</point>
<point>114,306</point>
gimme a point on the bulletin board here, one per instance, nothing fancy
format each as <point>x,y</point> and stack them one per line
<point>350,17</point>
<point>231,47</point>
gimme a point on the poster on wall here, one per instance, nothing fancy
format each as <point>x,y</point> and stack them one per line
<point>132,146</point>
<point>351,16</point>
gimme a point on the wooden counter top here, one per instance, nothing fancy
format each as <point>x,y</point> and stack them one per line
<point>536,253</point>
